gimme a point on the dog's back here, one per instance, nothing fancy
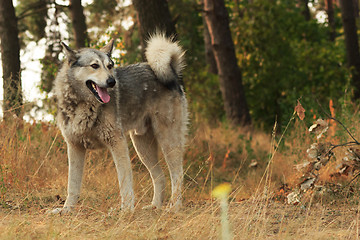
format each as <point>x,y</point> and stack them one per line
<point>150,88</point>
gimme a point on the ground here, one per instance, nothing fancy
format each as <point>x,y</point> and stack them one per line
<point>249,219</point>
<point>33,180</point>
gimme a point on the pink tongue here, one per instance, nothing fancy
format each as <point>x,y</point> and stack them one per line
<point>103,94</point>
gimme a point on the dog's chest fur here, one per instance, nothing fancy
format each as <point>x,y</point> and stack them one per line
<point>85,123</point>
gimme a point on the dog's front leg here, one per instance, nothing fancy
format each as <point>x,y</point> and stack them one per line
<point>120,153</point>
<point>76,157</point>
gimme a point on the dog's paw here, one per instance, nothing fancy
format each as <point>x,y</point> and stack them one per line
<point>175,207</point>
<point>127,209</point>
<point>128,205</point>
<point>151,207</point>
<point>59,211</point>
<point>54,211</point>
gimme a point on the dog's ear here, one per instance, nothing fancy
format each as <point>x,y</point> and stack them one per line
<point>71,55</point>
<point>108,48</point>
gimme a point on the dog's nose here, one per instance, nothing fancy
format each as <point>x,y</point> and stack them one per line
<point>110,82</point>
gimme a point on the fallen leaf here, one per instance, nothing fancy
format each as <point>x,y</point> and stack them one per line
<point>253,164</point>
<point>352,158</point>
<point>293,198</point>
<point>353,154</point>
<point>301,166</point>
<point>300,111</point>
<point>313,151</point>
<point>319,127</point>
<point>308,183</point>
<point>317,165</point>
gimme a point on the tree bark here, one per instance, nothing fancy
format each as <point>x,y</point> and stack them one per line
<point>231,87</point>
<point>153,15</point>
<point>10,56</point>
<point>331,19</point>
<point>305,9</point>
<point>50,62</point>
<point>209,54</point>
<point>79,23</point>
<point>351,42</point>
<point>356,8</point>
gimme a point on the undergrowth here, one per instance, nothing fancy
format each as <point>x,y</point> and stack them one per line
<point>259,166</point>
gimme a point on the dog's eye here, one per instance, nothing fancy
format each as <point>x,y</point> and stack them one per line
<point>95,66</point>
<point>110,67</point>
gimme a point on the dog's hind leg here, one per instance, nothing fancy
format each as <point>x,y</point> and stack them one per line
<point>146,147</point>
<point>173,154</point>
<point>120,153</point>
<point>170,142</point>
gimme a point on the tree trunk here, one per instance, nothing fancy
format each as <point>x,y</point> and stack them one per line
<point>351,41</point>
<point>304,4</point>
<point>10,56</point>
<point>79,23</point>
<point>331,19</point>
<point>209,54</point>
<point>356,8</point>
<point>231,87</point>
<point>50,62</point>
<point>153,15</point>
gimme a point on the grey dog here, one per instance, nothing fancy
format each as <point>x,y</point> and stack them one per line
<point>99,104</point>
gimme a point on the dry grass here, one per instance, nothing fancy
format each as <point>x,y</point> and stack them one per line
<point>267,221</point>
<point>33,175</point>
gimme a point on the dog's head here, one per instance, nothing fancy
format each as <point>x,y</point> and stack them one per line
<point>93,68</point>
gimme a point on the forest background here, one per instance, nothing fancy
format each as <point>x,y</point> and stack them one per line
<point>259,74</point>
<point>286,50</point>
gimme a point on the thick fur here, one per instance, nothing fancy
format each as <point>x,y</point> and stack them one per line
<point>162,51</point>
<point>147,102</point>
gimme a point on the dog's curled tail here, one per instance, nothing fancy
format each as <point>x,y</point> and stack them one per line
<point>165,57</point>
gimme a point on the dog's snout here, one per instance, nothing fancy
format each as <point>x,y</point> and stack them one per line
<point>110,82</point>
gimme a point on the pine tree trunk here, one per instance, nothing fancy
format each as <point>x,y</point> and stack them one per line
<point>230,78</point>
<point>209,54</point>
<point>10,56</point>
<point>351,41</point>
<point>51,59</point>
<point>79,23</point>
<point>331,19</point>
<point>153,15</point>
<point>305,9</point>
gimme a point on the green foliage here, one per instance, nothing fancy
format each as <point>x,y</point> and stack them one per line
<point>284,57</point>
<point>205,97</point>
<point>32,16</point>
<point>118,46</point>
<point>133,52</point>
<point>49,69</point>
<point>201,86</point>
<point>3,187</point>
<point>102,9</point>
<point>189,26</point>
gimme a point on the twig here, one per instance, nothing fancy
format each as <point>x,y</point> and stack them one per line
<point>332,118</point>
<point>342,145</point>
<point>47,154</point>
<point>30,12</point>
<point>356,176</point>
<point>355,140</point>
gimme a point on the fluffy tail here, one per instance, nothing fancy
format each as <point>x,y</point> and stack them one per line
<point>165,57</point>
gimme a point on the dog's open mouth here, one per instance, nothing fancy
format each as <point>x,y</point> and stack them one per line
<point>100,93</point>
